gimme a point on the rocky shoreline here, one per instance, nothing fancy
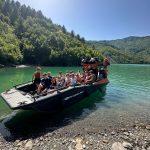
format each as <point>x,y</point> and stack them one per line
<point>135,137</point>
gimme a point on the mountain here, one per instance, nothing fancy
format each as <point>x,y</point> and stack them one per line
<point>27,36</point>
<point>134,44</point>
<point>127,50</point>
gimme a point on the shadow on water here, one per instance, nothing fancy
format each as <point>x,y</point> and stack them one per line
<point>32,124</point>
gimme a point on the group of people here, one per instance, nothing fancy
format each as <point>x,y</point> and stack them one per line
<point>44,81</point>
<point>90,74</point>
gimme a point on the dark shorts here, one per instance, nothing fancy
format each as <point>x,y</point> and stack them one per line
<point>37,81</point>
<point>45,87</point>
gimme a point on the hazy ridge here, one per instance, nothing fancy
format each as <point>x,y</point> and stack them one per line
<point>127,50</point>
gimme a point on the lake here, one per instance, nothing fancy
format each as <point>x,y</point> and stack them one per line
<point>126,100</point>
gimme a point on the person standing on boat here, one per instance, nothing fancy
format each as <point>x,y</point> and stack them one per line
<point>106,63</point>
<point>103,71</point>
<point>36,77</point>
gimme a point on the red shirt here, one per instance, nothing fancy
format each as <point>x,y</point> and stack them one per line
<point>37,75</point>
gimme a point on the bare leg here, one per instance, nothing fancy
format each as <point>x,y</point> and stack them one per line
<point>39,89</point>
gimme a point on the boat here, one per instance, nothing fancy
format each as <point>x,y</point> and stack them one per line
<point>20,97</point>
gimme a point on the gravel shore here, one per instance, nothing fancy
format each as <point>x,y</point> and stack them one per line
<point>76,137</point>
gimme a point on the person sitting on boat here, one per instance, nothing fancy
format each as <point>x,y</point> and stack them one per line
<point>44,85</point>
<point>67,80</point>
<point>87,74</point>
<point>95,71</point>
<point>60,74</point>
<point>78,78</point>
<point>67,71</point>
<point>73,80</point>
<point>82,78</point>
<point>79,72</point>
<point>49,77</point>
<point>91,78</point>
<point>54,83</point>
<point>60,82</point>
<point>36,77</point>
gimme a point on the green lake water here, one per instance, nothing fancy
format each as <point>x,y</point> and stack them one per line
<point>127,99</point>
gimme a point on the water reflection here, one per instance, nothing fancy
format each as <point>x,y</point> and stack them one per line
<point>27,124</point>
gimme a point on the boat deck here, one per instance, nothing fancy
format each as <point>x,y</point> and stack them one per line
<point>15,98</point>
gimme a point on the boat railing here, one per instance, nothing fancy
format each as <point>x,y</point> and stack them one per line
<point>22,84</point>
<point>48,92</point>
<point>58,90</point>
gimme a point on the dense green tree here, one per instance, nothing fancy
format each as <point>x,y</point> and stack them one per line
<point>93,47</point>
<point>9,45</point>
<point>72,34</point>
<point>78,37</point>
<point>26,36</point>
<point>127,50</point>
<point>64,29</point>
<point>82,40</point>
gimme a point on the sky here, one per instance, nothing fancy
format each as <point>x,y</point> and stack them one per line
<point>98,19</point>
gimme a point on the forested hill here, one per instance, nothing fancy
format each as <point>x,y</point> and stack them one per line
<point>26,36</point>
<point>128,50</point>
<point>134,44</point>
